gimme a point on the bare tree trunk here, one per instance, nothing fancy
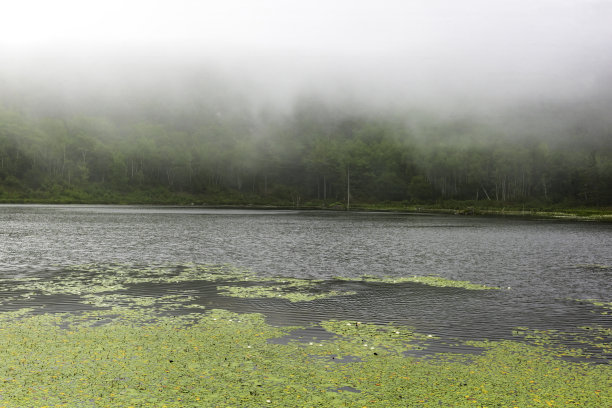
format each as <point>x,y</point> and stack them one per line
<point>485,191</point>
<point>238,182</point>
<point>324,189</point>
<point>348,188</point>
<point>169,176</point>
<point>64,161</point>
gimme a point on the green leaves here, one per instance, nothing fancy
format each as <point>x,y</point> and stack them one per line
<point>426,280</point>
<point>294,291</point>
<point>108,285</point>
<point>140,358</point>
<point>223,357</point>
<point>133,352</point>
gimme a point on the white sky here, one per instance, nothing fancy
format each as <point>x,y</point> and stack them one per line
<point>323,25</point>
<point>525,41</point>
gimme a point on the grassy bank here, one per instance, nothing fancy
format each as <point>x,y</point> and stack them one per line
<point>161,196</point>
<point>470,208</point>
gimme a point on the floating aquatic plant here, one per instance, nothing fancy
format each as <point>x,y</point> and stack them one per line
<point>595,338</point>
<point>276,291</point>
<point>125,357</point>
<point>136,351</point>
<point>426,280</point>
<point>607,306</point>
<point>117,299</point>
<point>108,285</point>
<point>381,338</point>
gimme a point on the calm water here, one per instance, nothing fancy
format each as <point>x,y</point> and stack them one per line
<point>542,265</point>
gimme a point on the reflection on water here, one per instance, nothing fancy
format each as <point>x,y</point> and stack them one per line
<point>542,266</point>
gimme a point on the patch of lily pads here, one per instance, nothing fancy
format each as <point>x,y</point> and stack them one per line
<point>127,357</point>
<point>301,290</point>
<point>380,339</point>
<point>426,280</point>
<point>134,350</point>
<point>109,285</point>
<point>584,342</point>
<point>606,307</point>
<point>277,292</point>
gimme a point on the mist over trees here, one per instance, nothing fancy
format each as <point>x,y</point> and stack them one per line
<point>307,103</point>
<point>196,137</point>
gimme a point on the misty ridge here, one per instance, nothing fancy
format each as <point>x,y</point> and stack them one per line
<point>520,117</point>
<point>573,103</point>
<point>197,128</point>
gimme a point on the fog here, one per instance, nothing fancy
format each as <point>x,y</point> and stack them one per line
<point>235,101</point>
<point>470,57</point>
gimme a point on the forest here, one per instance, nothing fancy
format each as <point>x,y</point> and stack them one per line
<point>213,146</point>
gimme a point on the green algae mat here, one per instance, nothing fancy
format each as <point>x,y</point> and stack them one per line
<point>128,350</point>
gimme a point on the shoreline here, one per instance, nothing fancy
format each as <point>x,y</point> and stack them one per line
<point>569,214</point>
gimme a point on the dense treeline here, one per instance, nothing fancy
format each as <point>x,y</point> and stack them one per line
<point>314,153</point>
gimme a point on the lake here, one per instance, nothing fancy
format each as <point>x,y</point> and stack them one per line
<point>546,269</point>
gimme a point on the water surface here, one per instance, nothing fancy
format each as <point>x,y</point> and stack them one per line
<point>541,266</point>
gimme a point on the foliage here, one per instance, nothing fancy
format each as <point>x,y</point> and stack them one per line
<point>311,155</point>
<point>106,285</point>
<point>277,292</point>
<point>123,358</point>
<point>126,349</point>
<point>427,280</point>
